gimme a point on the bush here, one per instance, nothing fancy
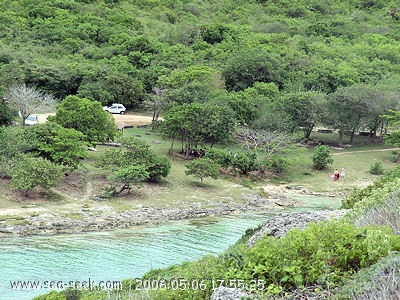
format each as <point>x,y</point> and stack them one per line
<point>324,254</point>
<point>244,162</point>
<point>31,172</point>
<point>384,214</point>
<point>376,168</point>
<point>158,167</point>
<point>53,295</point>
<point>278,164</point>
<point>221,157</point>
<point>135,154</point>
<point>202,167</point>
<point>379,207</point>
<point>381,281</point>
<point>321,157</point>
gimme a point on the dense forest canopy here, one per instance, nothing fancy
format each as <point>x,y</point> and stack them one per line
<point>201,51</point>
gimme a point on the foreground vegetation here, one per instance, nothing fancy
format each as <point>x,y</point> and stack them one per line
<point>336,259</point>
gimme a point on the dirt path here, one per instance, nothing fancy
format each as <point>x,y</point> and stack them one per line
<point>88,192</point>
<point>365,151</point>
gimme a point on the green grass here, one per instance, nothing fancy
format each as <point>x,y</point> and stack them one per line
<point>357,161</point>
<point>180,190</point>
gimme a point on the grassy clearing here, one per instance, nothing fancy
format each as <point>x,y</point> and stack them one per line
<point>75,193</point>
<point>356,159</point>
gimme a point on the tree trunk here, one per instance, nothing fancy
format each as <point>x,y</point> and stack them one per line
<point>340,138</point>
<point>187,150</point>
<point>172,147</point>
<point>308,131</point>
<point>352,137</point>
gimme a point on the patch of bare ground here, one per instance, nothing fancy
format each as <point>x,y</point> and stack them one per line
<point>127,119</point>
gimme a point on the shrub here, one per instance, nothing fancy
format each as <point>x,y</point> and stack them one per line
<point>376,168</point>
<point>384,214</point>
<point>53,295</point>
<point>381,281</point>
<point>158,167</point>
<point>244,162</point>
<point>220,156</point>
<point>202,167</point>
<point>124,178</point>
<point>31,172</point>
<point>278,164</point>
<point>134,153</point>
<point>324,254</point>
<point>321,157</point>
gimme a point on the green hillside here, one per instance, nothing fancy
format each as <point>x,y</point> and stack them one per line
<point>121,50</point>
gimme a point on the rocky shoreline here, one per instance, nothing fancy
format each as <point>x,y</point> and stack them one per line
<point>86,220</point>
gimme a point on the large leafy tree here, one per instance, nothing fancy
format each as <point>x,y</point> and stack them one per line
<point>197,123</point>
<point>249,66</point>
<point>117,86</point>
<point>32,172</point>
<point>357,106</point>
<point>63,146</point>
<point>346,110</point>
<point>87,117</point>
<point>304,109</point>
<point>393,118</point>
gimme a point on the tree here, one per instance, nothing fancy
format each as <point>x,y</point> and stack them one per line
<point>63,146</point>
<point>251,65</point>
<point>134,152</point>
<point>87,117</point>
<point>196,123</point>
<point>31,172</point>
<point>202,168</point>
<point>13,143</point>
<point>125,177</point>
<point>28,99</point>
<point>6,114</point>
<point>393,118</point>
<point>347,109</point>
<point>304,109</point>
<point>321,157</point>
<point>270,143</point>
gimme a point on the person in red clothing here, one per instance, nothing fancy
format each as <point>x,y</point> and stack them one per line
<point>336,175</point>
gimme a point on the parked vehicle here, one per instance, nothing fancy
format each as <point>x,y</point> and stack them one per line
<point>31,120</point>
<point>116,108</point>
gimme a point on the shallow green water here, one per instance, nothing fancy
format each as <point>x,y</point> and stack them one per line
<point>121,254</point>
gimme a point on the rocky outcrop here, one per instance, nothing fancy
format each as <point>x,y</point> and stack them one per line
<point>280,224</point>
<point>86,220</point>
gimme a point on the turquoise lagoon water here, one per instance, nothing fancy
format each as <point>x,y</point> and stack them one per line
<point>120,254</point>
